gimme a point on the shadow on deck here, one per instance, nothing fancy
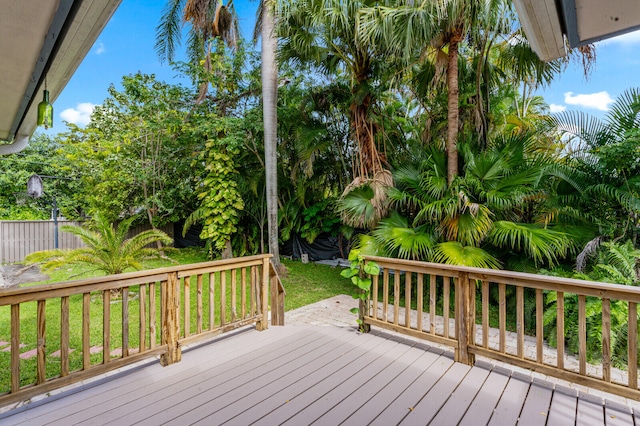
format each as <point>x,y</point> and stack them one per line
<point>322,375</point>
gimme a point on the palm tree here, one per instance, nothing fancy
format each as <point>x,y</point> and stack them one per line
<point>107,248</point>
<point>209,21</point>
<point>270,121</point>
<point>603,154</point>
<point>322,34</point>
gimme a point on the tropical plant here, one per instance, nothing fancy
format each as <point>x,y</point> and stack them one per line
<point>107,248</point>
<point>604,154</point>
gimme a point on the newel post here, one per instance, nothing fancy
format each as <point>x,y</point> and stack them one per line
<point>464,319</point>
<point>263,324</point>
<point>169,327</point>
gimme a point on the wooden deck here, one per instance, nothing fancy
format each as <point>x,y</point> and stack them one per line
<point>300,375</point>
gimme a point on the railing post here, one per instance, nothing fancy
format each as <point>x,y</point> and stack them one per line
<point>464,319</point>
<point>263,324</point>
<point>170,331</point>
<point>277,297</point>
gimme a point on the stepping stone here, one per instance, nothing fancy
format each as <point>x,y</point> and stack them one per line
<point>8,348</point>
<point>118,351</point>
<point>29,354</point>
<point>57,353</point>
<point>3,343</point>
<point>95,349</point>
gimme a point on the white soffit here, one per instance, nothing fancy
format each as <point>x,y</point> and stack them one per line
<point>24,25</point>
<point>589,21</point>
<point>541,24</point>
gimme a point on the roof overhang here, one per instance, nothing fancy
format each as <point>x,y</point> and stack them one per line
<point>548,23</point>
<point>38,39</point>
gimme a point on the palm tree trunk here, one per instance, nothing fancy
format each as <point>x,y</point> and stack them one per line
<point>452,112</point>
<point>269,110</point>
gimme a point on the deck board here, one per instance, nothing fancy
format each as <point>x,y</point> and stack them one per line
<point>536,407</point>
<point>488,396</point>
<point>324,376</point>
<point>510,404</point>
<point>563,406</point>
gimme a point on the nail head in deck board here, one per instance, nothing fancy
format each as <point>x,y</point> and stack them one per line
<point>563,406</point>
<point>510,405</point>
<point>256,397</point>
<point>460,400</point>
<point>339,411</point>
<point>617,414</point>
<point>381,400</point>
<point>252,349</point>
<point>536,407</point>
<point>165,398</point>
<point>481,408</point>
<point>359,345</point>
<point>183,407</point>
<point>299,402</point>
<point>430,403</point>
<point>590,410</point>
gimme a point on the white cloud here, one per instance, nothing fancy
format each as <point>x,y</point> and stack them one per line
<point>81,115</point>
<point>557,108</point>
<point>599,101</point>
<point>100,49</point>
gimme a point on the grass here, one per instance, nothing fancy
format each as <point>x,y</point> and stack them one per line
<point>304,283</point>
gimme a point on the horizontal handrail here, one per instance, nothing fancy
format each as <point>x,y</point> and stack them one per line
<point>452,319</point>
<point>157,311</point>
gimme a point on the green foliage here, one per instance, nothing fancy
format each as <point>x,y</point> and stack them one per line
<point>221,201</point>
<point>360,272</point>
<point>108,248</point>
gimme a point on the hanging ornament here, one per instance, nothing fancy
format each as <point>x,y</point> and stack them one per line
<point>45,110</point>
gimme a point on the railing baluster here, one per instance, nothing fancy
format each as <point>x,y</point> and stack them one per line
<point>86,331</point>
<point>539,326</point>
<point>212,300</point>
<point>187,307</point>
<point>560,329</point>
<point>407,299</point>
<point>142,317</point>
<point>243,293</point>
<point>15,348</point>
<point>234,296</point>
<point>472,311</point>
<point>64,336</point>
<point>606,340</point>
<point>485,314</point>
<point>125,322</point>
<point>520,321</point>
<point>199,303</point>
<point>445,304</point>
<point>152,316</point>
<point>41,342</point>
<point>223,297</point>
<point>502,315</point>
<point>632,345</point>
<point>420,301</point>
<point>252,293</point>
<point>374,296</point>
<point>582,334</point>
<point>396,296</point>
<point>432,304</point>
<point>385,295</point>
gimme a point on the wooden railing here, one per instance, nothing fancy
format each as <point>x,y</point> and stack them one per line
<point>457,306</point>
<point>80,331</point>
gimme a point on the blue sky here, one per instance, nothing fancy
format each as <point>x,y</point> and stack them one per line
<point>126,46</point>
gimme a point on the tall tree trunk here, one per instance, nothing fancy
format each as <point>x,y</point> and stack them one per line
<point>269,105</point>
<point>452,111</point>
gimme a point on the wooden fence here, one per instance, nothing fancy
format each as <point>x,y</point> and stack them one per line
<point>452,305</point>
<point>18,238</point>
<point>88,327</point>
